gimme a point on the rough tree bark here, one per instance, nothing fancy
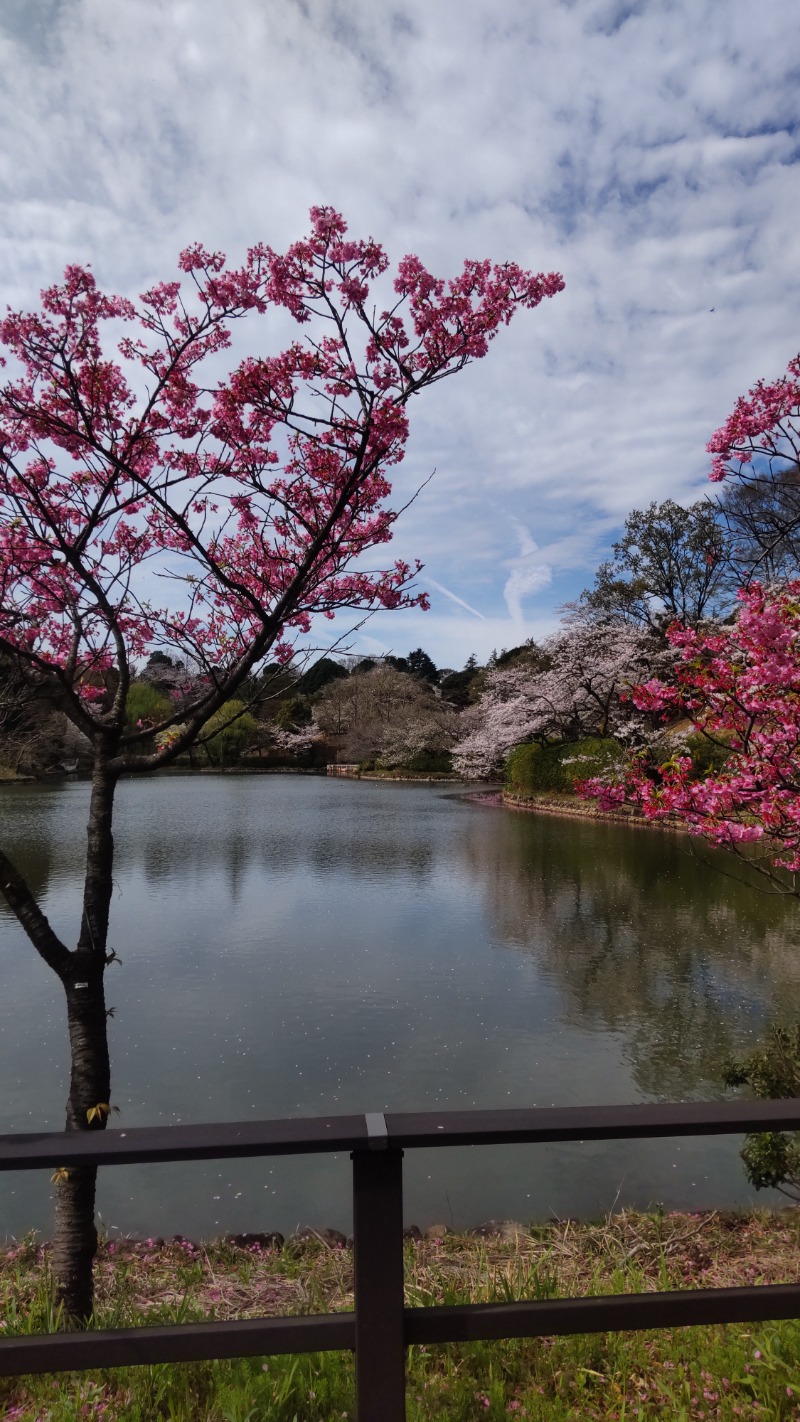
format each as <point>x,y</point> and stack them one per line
<point>81,972</point>
<point>88,1104</point>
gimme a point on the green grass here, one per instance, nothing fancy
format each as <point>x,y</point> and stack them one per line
<point>681,1374</point>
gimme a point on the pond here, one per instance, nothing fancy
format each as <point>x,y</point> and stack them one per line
<point>294,945</point>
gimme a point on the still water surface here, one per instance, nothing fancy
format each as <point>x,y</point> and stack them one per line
<point>302,946</point>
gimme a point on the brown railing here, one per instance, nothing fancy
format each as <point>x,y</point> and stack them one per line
<point>381,1328</point>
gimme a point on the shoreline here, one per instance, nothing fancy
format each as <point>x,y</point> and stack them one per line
<point>733,1232</point>
<point>570,807</point>
<point>403,779</point>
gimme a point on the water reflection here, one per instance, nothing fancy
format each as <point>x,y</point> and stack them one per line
<point>363,843</point>
<point>302,946</point>
<point>27,815</point>
<point>645,941</point>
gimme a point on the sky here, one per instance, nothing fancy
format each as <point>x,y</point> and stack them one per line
<point>648,151</point>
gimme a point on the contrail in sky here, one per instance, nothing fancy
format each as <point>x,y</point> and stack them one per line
<point>440,588</point>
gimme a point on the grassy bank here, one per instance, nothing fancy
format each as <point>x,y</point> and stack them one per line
<point>703,1373</point>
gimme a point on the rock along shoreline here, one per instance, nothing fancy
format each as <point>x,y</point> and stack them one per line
<point>570,807</point>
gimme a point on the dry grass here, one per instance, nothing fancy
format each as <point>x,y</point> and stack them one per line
<point>683,1373</point>
<point>710,1250</point>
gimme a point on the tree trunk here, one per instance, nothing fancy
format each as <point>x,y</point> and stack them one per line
<point>75,1239</point>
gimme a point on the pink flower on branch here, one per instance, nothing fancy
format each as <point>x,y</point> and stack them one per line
<point>255,498</point>
<point>740,688</point>
<point>739,685</point>
<point>765,425</point>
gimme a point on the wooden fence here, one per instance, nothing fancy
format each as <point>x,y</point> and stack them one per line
<point>381,1328</point>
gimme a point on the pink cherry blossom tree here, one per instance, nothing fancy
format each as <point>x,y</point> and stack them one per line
<point>739,684</point>
<point>757,451</point>
<point>761,436</point>
<point>249,500</point>
<point>740,687</point>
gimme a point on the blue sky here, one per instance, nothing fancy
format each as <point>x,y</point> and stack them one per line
<point>647,150</point>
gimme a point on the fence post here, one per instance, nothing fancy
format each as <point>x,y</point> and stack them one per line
<point>378,1241</point>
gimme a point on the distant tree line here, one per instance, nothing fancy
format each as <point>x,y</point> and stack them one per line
<point>671,564</point>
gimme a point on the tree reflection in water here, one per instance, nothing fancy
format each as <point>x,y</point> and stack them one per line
<point>644,940</point>
<point>335,946</point>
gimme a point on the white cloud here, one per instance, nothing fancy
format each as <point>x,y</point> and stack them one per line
<point>529,573</point>
<point>650,152</point>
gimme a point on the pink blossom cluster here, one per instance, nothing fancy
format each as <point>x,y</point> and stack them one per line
<point>764,426</point>
<point>740,687</point>
<point>253,499</point>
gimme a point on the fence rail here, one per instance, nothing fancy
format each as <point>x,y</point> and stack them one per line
<point>381,1328</point>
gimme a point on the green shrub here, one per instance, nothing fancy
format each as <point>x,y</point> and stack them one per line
<point>293,713</point>
<point>228,742</point>
<point>555,768</point>
<point>146,703</point>
<point>430,762</point>
<point>707,756</point>
<point>531,769</point>
<point>771,1158</point>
